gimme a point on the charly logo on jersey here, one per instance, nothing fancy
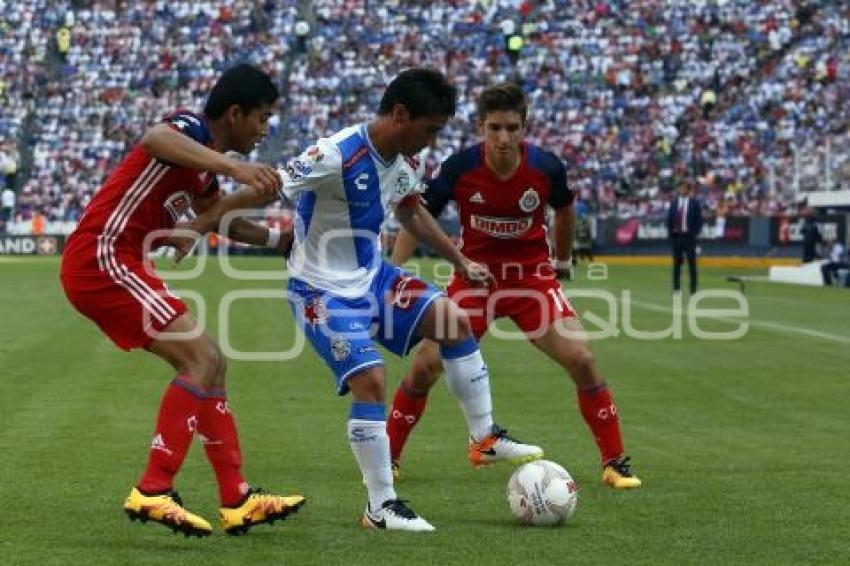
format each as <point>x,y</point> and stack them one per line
<point>362,181</point>
<point>501,227</point>
<point>530,200</point>
<point>178,204</point>
<point>340,348</point>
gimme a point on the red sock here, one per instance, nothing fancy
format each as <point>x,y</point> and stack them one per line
<point>172,437</point>
<point>217,430</point>
<point>405,413</point>
<point>600,414</point>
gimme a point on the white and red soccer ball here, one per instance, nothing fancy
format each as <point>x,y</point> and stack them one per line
<point>542,493</point>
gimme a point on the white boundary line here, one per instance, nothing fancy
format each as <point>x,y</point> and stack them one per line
<point>773,326</point>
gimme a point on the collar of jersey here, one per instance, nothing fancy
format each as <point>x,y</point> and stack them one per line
<point>364,133</point>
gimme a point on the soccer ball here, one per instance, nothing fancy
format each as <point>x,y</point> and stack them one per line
<point>542,493</point>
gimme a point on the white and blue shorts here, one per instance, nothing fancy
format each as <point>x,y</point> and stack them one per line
<point>343,331</point>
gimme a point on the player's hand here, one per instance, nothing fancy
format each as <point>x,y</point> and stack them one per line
<point>284,246</point>
<point>183,238</point>
<point>477,274</point>
<point>258,175</point>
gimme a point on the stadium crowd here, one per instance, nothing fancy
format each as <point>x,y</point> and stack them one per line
<point>632,94</point>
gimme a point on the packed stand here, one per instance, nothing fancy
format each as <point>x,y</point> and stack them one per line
<point>124,70</point>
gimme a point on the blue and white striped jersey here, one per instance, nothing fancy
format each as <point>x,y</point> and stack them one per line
<point>344,192</point>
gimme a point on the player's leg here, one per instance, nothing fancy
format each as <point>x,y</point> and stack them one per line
<point>468,379</point>
<point>411,398</point>
<point>564,341</point>
<point>367,435</point>
<point>678,258</point>
<point>201,369</point>
<point>691,252</point>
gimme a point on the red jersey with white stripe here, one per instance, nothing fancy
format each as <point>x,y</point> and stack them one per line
<point>503,221</point>
<point>141,196</point>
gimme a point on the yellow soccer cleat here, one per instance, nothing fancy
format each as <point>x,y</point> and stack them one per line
<point>617,474</point>
<point>165,508</point>
<point>257,508</point>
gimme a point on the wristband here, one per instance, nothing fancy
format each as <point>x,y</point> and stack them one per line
<point>274,238</point>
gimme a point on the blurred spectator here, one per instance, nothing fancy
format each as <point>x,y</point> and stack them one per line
<point>837,260</point>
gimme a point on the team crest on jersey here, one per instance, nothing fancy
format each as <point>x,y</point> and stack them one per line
<point>530,200</point>
<point>501,227</point>
<point>402,184</point>
<point>178,204</point>
<point>315,311</point>
<point>340,348</point>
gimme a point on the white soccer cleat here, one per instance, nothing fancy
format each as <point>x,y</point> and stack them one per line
<point>395,515</point>
<point>499,447</point>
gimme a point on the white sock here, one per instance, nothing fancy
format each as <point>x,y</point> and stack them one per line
<point>468,379</point>
<point>371,447</point>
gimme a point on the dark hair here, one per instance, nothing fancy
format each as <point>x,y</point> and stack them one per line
<point>502,97</point>
<point>243,84</point>
<point>424,92</point>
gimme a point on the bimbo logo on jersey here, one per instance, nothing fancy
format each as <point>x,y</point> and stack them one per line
<point>178,204</point>
<point>501,227</point>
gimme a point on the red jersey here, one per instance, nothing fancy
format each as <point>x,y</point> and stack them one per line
<point>503,222</point>
<point>143,194</point>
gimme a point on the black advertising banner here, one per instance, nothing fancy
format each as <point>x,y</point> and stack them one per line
<point>789,230</point>
<point>31,245</point>
<point>624,232</point>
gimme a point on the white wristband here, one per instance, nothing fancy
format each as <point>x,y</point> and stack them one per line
<point>274,238</point>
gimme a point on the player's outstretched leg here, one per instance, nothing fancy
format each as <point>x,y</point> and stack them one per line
<point>367,435</point>
<point>410,400</point>
<point>468,379</point>
<point>564,342</point>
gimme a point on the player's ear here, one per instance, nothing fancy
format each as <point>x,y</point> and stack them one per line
<point>233,113</point>
<point>400,113</point>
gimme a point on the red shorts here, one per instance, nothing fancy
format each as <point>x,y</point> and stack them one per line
<point>127,302</point>
<point>533,303</point>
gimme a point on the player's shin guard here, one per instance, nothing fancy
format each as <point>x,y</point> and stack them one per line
<point>468,379</point>
<point>217,430</point>
<point>406,411</point>
<point>175,426</point>
<point>600,414</point>
<point>367,435</point>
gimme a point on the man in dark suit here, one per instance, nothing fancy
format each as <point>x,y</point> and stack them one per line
<point>684,222</point>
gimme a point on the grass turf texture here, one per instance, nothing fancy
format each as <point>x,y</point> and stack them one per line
<point>741,445</point>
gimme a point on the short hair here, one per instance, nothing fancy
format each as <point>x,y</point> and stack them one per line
<point>242,84</point>
<point>423,91</point>
<point>506,96</point>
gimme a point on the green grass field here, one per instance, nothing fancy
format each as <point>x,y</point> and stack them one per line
<point>742,445</point>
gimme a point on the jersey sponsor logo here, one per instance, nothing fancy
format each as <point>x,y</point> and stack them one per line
<point>412,161</point>
<point>314,154</point>
<point>477,198</point>
<point>501,227</point>
<point>340,348</point>
<point>178,204</point>
<point>530,200</point>
<point>355,157</point>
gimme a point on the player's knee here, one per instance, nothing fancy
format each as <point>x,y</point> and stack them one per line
<point>460,328</point>
<point>205,364</point>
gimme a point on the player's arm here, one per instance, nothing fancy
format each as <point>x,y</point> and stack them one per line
<point>421,225</point>
<point>168,143</point>
<point>437,194</point>
<point>565,216</point>
<point>565,230</point>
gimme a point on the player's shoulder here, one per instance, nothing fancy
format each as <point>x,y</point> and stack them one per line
<point>190,123</point>
<point>462,162</point>
<point>543,160</point>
